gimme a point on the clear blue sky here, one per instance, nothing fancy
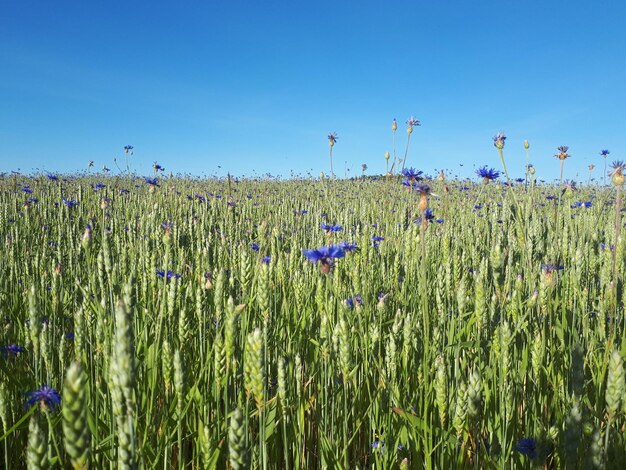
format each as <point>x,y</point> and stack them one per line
<point>255,87</point>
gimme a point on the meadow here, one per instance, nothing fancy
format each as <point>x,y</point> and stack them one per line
<point>183,323</point>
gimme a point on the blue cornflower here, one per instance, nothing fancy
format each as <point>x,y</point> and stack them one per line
<point>169,274</point>
<point>255,246</point>
<point>377,238</point>
<point>152,181</point>
<point>498,140</point>
<point>423,189</point>
<point>549,267</point>
<point>348,247</point>
<point>69,336</point>
<point>520,180</point>
<point>604,153</point>
<point>26,189</point>
<point>617,167</point>
<point>34,200</point>
<point>128,149</point>
<point>12,349</point>
<point>587,204</point>
<point>99,186</point>
<point>70,203</point>
<point>325,255</point>
<point>488,174</point>
<point>412,174</point>
<point>266,260</point>
<point>332,228</point>
<point>528,447</point>
<point>45,396</point>
<point>52,177</point>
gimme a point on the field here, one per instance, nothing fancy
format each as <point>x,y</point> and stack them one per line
<point>214,323</point>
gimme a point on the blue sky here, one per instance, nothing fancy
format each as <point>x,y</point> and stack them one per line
<point>255,87</point>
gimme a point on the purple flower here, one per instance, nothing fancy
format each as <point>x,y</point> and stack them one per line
<point>26,189</point>
<point>157,167</point>
<point>266,259</point>
<point>52,177</point>
<point>255,246</point>
<point>377,238</point>
<point>604,153</point>
<point>45,396</point>
<point>332,138</point>
<point>488,174</point>
<point>152,181</point>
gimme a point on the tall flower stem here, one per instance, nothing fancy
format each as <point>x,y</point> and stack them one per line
<point>406,151</point>
<point>332,174</point>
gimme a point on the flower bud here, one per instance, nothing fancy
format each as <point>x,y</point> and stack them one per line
<point>526,145</point>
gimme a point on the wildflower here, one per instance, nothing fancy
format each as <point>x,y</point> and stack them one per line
<point>332,138</point>
<point>604,153</point>
<point>266,260</point>
<point>412,174</point>
<point>27,190</point>
<point>168,275</point>
<point>528,447</point>
<point>562,155</point>
<point>569,186</point>
<point>348,247</point>
<point>377,238</point>
<point>410,123</point>
<point>46,396</point>
<point>325,256</point>
<point>152,181</point>
<point>498,140</point>
<point>128,149</point>
<point>105,169</point>
<point>617,172</point>
<point>52,177</point>
<point>255,246</point>
<point>98,186</point>
<point>70,203</point>
<point>394,125</point>
<point>12,349</point>
<point>90,164</point>
<point>157,167</point>
<point>332,228</point>
<point>488,174</point>
<point>421,188</point>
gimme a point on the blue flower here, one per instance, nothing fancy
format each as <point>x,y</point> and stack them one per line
<point>604,153</point>
<point>423,189</point>
<point>254,246</point>
<point>266,260</point>
<point>99,186</point>
<point>169,274</point>
<point>45,396</point>
<point>348,247</point>
<point>332,228</point>
<point>27,189</point>
<point>488,174</point>
<point>70,203</point>
<point>498,140</point>
<point>412,174</point>
<point>152,181</point>
<point>377,238</point>
<point>528,447</point>
<point>128,149</point>
<point>12,349</point>
<point>52,177</point>
<point>324,254</point>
